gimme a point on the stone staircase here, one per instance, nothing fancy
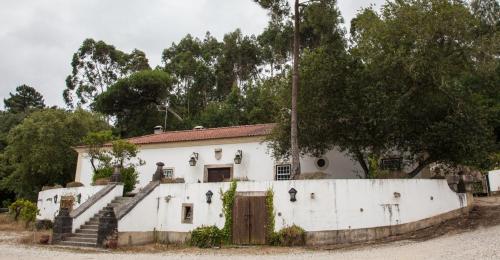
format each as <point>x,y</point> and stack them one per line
<point>86,235</point>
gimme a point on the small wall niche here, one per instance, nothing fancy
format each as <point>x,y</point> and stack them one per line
<point>187,213</point>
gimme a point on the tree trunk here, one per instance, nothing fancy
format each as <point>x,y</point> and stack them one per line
<point>295,89</point>
<point>92,163</point>
<point>420,167</point>
<point>361,160</point>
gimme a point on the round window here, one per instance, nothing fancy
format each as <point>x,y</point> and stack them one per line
<point>321,163</point>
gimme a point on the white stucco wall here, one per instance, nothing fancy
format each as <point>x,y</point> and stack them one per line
<point>494,180</point>
<point>257,163</point>
<point>144,216</point>
<point>79,220</point>
<point>336,204</point>
<point>48,209</point>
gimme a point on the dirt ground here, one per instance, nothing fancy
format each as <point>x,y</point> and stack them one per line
<point>476,236</point>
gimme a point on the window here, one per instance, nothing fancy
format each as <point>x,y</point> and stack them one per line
<point>187,213</point>
<point>392,164</point>
<point>283,172</point>
<point>168,173</point>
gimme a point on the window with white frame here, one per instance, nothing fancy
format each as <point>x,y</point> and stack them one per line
<point>283,172</point>
<point>168,173</point>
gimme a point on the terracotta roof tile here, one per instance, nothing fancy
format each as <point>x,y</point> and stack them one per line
<point>204,134</point>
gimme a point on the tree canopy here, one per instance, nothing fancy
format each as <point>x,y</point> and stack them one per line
<point>24,99</point>
<point>96,66</point>
<point>40,152</point>
<point>133,101</point>
<point>410,85</point>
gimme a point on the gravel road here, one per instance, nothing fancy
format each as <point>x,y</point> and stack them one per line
<point>483,243</point>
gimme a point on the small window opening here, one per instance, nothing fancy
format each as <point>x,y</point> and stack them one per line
<point>187,213</point>
<point>168,173</point>
<point>393,164</point>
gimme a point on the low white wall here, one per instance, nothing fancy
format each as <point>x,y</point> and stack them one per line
<point>79,220</point>
<point>336,204</point>
<point>144,216</point>
<point>494,180</point>
<point>48,209</point>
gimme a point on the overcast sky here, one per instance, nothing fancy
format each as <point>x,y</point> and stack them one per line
<point>39,37</point>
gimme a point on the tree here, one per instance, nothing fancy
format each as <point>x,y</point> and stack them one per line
<point>404,88</point>
<point>96,66</point>
<point>134,101</point>
<point>275,44</point>
<point>191,63</point>
<point>40,152</point>
<point>7,122</point>
<point>23,100</point>
<point>316,21</point>
<point>438,116</point>
<point>94,142</point>
<point>206,70</point>
<point>122,154</point>
<point>488,11</point>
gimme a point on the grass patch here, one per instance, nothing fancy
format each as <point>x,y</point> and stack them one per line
<point>7,223</point>
<point>34,237</point>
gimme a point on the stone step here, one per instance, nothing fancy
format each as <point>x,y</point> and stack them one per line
<point>86,231</point>
<point>81,244</point>
<point>81,239</point>
<point>89,227</point>
<point>84,235</point>
<point>92,222</point>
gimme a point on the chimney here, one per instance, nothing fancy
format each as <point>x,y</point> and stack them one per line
<point>158,129</point>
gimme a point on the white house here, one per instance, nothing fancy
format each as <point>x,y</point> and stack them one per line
<point>338,208</point>
<point>221,154</point>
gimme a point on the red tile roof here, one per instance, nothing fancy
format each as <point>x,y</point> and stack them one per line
<point>204,134</point>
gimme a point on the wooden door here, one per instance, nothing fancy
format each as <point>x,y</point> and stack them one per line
<point>241,221</point>
<point>218,174</point>
<point>249,220</point>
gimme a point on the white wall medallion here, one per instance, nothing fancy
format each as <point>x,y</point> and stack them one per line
<point>218,153</point>
<point>321,163</point>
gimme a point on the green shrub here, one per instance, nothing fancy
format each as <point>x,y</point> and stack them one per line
<point>44,224</point>
<point>206,237</point>
<point>290,236</point>
<point>102,173</point>
<point>6,203</point>
<point>227,208</point>
<point>24,209</point>
<point>272,237</point>
<point>129,177</point>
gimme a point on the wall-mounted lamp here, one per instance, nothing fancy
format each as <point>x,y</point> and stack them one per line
<point>209,195</point>
<point>168,198</point>
<point>193,159</point>
<point>293,193</point>
<point>238,157</point>
<point>55,199</point>
<point>79,198</point>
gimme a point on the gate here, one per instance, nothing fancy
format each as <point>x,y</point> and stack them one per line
<point>249,220</point>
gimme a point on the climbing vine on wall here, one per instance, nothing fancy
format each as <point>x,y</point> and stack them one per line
<point>227,208</point>
<point>271,234</point>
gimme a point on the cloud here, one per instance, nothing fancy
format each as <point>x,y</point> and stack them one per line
<point>38,38</point>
